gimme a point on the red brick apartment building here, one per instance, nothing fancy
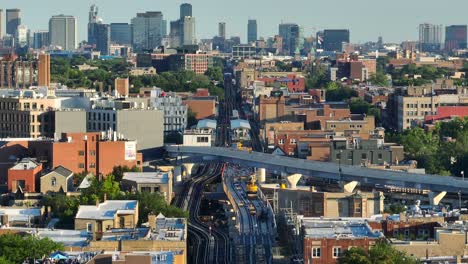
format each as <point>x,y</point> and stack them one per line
<point>79,152</point>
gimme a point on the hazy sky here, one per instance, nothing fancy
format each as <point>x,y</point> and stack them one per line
<point>395,20</point>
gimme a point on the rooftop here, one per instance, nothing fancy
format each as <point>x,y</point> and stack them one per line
<point>106,210</point>
<point>240,123</point>
<point>319,228</point>
<point>206,124</point>
<point>147,177</point>
<point>19,214</point>
<point>25,164</point>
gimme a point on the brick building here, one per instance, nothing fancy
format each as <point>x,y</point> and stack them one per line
<point>24,175</point>
<point>96,153</point>
<point>326,240</point>
<point>271,109</point>
<point>315,116</point>
<point>203,106</point>
<point>293,81</point>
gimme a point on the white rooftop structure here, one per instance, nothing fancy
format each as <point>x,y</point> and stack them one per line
<point>240,123</point>
<point>147,177</point>
<point>19,214</point>
<point>107,210</point>
<point>206,124</point>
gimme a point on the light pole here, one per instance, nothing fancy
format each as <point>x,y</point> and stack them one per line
<point>459,200</point>
<point>463,175</point>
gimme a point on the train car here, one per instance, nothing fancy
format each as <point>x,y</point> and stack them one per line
<point>252,188</point>
<point>252,210</point>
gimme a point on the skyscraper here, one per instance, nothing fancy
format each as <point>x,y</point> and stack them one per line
<point>333,39</point>
<point>222,30</point>
<point>41,39</point>
<point>22,36</point>
<point>147,30</point>
<point>93,19</point>
<point>121,33</point>
<point>291,35</point>
<point>102,38</point>
<point>455,37</point>
<point>13,20</point>
<point>43,71</point>
<point>252,31</point>
<point>175,34</point>
<point>63,32</point>
<point>1,23</point>
<point>185,10</point>
<point>189,35</point>
<point>430,37</point>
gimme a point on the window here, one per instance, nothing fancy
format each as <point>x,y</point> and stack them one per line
<point>364,156</point>
<point>336,252</point>
<point>89,227</point>
<point>316,252</point>
<point>281,141</point>
<point>338,156</point>
<point>80,153</point>
<point>350,155</point>
<point>53,181</point>
<point>146,189</point>
<point>407,234</point>
<point>92,165</point>
<point>293,141</point>
<point>81,166</point>
<point>92,152</point>
<point>379,156</point>
<point>395,232</point>
<point>357,208</point>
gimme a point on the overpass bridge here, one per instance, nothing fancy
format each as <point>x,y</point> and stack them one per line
<point>317,169</point>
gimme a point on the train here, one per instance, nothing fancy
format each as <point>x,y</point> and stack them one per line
<point>252,188</point>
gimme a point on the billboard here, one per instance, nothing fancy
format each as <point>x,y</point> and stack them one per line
<point>130,150</point>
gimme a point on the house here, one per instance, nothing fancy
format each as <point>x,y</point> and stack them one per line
<point>24,176</point>
<point>59,179</point>
<point>152,182</point>
<point>107,215</point>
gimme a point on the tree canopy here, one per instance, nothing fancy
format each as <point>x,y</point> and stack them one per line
<point>16,249</point>
<point>380,253</point>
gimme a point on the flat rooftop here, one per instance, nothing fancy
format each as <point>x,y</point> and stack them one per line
<point>158,177</point>
<point>317,228</point>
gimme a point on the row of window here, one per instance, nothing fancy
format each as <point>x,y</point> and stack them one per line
<point>363,155</point>
<point>91,165</point>
<point>422,105</point>
<point>101,126</point>
<point>415,113</point>
<point>91,153</point>
<point>101,116</point>
<point>337,252</point>
<point>350,126</point>
<point>291,141</point>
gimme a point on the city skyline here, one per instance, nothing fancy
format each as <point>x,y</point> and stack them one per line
<point>399,24</point>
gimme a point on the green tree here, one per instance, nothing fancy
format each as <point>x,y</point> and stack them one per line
<point>355,255</point>
<point>336,93</point>
<point>16,249</point>
<point>380,253</point>
<point>215,74</point>
<point>379,78</point>
<point>417,142</point>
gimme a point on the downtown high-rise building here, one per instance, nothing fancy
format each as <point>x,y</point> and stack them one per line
<point>121,33</point>
<point>102,38</point>
<point>455,37</point>
<point>291,35</point>
<point>222,30</point>
<point>93,20</point>
<point>13,20</point>
<point>430,37</point>
<point>41,39</point>
<point>185,10</point>
<point>147,30</point>
<point>188,33</point>
<point>333,39</point>
<point>63,32</point>
<point>1,23</point>
<point>22,36</point>
<point>252,31</point>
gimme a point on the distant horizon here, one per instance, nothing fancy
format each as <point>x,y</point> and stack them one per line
<point>395,24</point>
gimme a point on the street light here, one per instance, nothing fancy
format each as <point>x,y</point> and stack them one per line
<point>459,200</point>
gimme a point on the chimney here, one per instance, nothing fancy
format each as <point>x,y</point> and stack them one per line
<point>105,197</point>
